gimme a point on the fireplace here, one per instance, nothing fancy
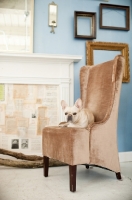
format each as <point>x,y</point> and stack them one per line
<point>31,88</point>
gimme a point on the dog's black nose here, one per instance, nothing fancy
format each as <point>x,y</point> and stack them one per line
<point>69,118</point>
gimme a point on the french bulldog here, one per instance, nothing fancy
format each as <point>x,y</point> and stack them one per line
<point>76,115</point>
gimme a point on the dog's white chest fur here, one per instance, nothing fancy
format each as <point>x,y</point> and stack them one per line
<point>76,116</point>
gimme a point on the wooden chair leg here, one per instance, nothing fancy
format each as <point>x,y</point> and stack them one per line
<point>46,165</point>
<point>87,166</point>
<point>118,176</point>
<point>72,176</point>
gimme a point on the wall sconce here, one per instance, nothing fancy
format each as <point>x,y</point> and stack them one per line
<point>53,9</point>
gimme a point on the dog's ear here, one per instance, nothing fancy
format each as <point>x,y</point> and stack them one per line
<point>78,103</point>
<point>63,104</point>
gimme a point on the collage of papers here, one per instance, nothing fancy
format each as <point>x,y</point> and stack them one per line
<point>24,111</point>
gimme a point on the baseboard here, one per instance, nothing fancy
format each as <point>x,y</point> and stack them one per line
<point>125,156</point>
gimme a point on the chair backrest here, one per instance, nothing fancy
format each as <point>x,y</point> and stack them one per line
<point>98,84</point>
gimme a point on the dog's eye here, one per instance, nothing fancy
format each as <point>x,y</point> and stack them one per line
<point>74,113</point>
<point>66,113</point>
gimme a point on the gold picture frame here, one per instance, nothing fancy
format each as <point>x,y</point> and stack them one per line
<point>109,46</point>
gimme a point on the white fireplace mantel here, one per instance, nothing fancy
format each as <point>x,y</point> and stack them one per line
<point>36,68</point>
<point>40,69</point>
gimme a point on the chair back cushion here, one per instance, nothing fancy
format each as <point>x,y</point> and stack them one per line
<point>98,85</point>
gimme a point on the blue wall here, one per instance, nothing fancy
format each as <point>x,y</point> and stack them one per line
<point>63,42</point>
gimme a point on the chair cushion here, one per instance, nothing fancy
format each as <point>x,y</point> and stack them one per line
<point>68,145</point>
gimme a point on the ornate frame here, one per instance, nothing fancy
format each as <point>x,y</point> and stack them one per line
<point>109,46</point>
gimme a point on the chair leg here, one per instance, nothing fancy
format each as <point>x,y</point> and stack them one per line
<point>118,176</point>
<point>46,165</point>
<point>72,174</point>
<point>87,166</point>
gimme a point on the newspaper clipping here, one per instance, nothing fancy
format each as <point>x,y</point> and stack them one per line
<point>24,111</point>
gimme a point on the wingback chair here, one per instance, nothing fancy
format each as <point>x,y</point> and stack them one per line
<point>97,144</point>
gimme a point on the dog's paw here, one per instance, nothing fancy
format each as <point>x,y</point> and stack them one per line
<point>60,125</point>
<point>63,124</point>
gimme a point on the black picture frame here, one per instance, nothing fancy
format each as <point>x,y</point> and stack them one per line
<point>92,28</point>
<point>115,7</point>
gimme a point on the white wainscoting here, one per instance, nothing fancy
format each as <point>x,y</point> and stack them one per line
<point>125,156</point>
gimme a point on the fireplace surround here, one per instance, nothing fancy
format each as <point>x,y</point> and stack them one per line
<point>30,82</point>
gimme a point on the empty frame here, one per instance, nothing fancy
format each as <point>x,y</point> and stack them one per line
<point>110,12</point>
<point>84,25</point>
<point>119,48</point>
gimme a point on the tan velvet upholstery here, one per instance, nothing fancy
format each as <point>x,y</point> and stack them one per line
<point>69,145</point>
<point>100,92</point>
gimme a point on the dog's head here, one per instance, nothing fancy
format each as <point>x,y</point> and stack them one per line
<point>71,113</point>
